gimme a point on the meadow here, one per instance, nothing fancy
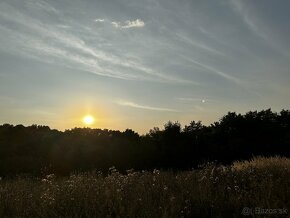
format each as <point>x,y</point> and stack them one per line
<point>259,187</point>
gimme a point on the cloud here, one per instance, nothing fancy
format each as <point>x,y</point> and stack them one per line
<point>197,100</point>
<point>248,19</point>
<point>198,44</point>
<point>257,26</point>
<point>50,43</point>
<point>116,24</point>
<point>63,26</point>
<point>100,20</point>
<point>145,107</point>
<point>213,70</point>
<point>134,23</point>
<point>193,99</point>
<point>41,5</point>
<point>129,24</point>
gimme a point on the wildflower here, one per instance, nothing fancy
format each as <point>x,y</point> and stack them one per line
<point>44,180</point>
<point>130,171</point>
<point>50,176</point>
<point>223,168</point>
<point>212,171</point>
<point>155,171</point>
<point>113,169</point>
<point>202,178</point>
<point>165,188</point>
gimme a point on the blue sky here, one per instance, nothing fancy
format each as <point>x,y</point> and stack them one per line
<point>137,64</point>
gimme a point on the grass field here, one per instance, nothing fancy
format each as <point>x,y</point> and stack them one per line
<point>257,187</point>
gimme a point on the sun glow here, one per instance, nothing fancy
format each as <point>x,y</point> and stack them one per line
<point>88,120</point>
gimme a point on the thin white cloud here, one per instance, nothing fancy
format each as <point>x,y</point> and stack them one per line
<point>248,20</point>
<point>181,37</point>
<point>42,39</point>
<point>63,26</point>
<point>145,107</point>
<point>41,5</point>
<point>213,70</point>
<point>197,100</point>
<point>116,24</point>
<point>99,20</point>
<point>257,26</point>
<point>129,24</point>
<point>193,99</point>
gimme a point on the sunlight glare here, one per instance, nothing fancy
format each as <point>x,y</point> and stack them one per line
<point>88,120</point>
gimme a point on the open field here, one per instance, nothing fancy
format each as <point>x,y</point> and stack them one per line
<point>211,191</point>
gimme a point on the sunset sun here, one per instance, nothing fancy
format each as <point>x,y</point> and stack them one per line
<point>88,120</point>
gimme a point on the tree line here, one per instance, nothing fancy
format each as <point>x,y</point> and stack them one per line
<point>37,150</point>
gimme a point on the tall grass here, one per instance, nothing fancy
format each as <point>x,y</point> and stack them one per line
<point>212,191</point>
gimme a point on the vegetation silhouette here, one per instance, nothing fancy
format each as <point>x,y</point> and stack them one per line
<point>39,150</point>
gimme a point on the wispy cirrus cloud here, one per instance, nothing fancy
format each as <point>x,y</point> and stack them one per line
<point>213,70</point>
<point>258,26</point>
<point>144,107</point>
<point>42,5</point>
<point>202,100</point>
<point>41,40</point>
<point>251,23</point>
<point>197,44</point>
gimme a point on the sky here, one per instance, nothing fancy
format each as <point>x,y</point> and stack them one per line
<point>140,63</point>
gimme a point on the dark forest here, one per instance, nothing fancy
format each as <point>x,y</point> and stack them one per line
<point>37,150</point>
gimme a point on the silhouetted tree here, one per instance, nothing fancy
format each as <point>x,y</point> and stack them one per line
<point>34,149</point>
